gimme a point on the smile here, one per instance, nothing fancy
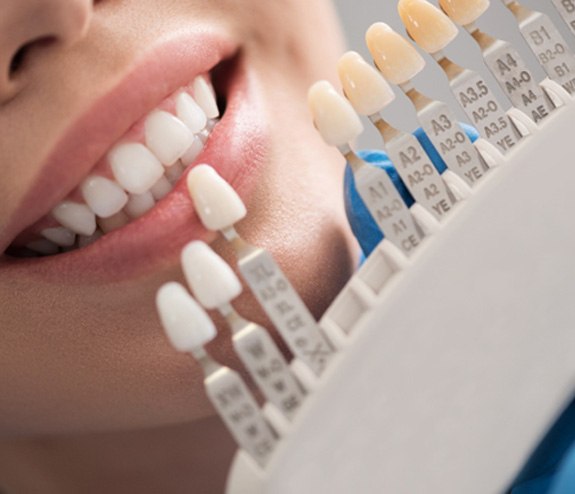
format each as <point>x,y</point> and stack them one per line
<point>138,171</point>
<point>124,208</point>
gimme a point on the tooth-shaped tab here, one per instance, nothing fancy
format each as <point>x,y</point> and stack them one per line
<point>134,167</point>
<point>205,97</point>
<point>211,279</point>
<point>139,204</point>
<point>186,324</point>
<point>104,197</point>
<point>167,137</point>
<point>218,205</point>
<point>363,85</point>
<point>430,28</point>
<point>189,112</point>
<point>395,57</point>
<point>60,236</point>
<point>76,217</point>
<point>464,12</point>
<point>333,115</point>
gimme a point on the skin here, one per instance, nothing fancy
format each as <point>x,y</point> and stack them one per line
<point>93,397</point>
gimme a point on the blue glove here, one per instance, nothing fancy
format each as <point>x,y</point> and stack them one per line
<point>551,468</point>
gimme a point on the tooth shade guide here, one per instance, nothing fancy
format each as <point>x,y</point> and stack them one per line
<point>384,203</point>
<point>333,115</point>
<point>395,57</point>
<point>264,362</point>
<point>416,170</point>
<point>240,412</point>
<point>217,204</point>
<point>427,25</point>
<point>189,329</point>
<point>448,137</point>
<point>547,44</point>
<point>219,208</point>
<point>286,310</point>
<point>481,106</point>
<point>210,278</point>
<point>567,12</point>
<point>513,75</point>
<point>363,85</point>
<point>464,12</point>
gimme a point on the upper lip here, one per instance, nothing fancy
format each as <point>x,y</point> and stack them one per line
<point>162,69</point>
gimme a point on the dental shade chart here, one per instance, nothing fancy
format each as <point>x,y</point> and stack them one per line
<point>278,445</point>
<point>215,285</point>
<point>219,208</point>
<point>362,84</point>
<point>480,165</point>
<point>189,328</point>
<point>567,10</point>
<point>433,31</point>
<point>391,51</point>
<point>547,43</point>
<point>338,124</point>
<point>503,60</point>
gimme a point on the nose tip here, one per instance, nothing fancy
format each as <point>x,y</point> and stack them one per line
<point>71,19</point>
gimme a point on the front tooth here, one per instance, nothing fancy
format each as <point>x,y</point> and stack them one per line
<point>193,151</point>
<point>60,236</point>
<point>135,168</point>
<point>205,97</point>
<point>85,241</point>
<point>43,247</point>
<point>161,188</point>
<point>76,217</point>
<point>167,137</point>
<point>174,173</point>
<point>139,204</point>
<point>113,222</point>
<point>190,113</point>
<point>103,196</point>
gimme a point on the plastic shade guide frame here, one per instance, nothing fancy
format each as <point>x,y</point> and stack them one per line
<point>452,364</point>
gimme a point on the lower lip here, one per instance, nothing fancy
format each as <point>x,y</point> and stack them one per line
<point>236,149</point>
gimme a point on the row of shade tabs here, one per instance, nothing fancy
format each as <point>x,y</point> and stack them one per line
<point>397,61</point>
<point>213,285</point>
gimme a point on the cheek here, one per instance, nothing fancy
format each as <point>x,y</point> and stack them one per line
<point>91,358</point>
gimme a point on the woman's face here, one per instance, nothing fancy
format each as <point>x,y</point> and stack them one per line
<point>81,347</point>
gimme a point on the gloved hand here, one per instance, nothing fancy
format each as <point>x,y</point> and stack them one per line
<point>550,469</point>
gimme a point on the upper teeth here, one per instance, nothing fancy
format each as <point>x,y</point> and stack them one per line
<point>141,173</point>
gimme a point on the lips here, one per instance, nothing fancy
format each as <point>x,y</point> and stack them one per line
<point>235,148</point>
